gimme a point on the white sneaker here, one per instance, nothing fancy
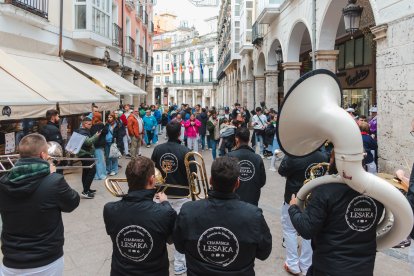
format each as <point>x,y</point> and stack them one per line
<point>179,271</point>
<point>148,146</point>
<point>112,173</point>
<point>272,169</point>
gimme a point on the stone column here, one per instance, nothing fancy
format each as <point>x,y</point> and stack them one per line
<point>183,96</point>
<point>249,95</point>
<point>259,90</point>
<point>129,99</point>
<point>271,88</point>
<point>292,74</point>
<point>326,59</point>
<point>243,100</point>
<point>193,99</point>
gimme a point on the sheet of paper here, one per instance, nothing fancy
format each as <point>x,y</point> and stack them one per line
<point>10,143</point>
<point>75,143</point>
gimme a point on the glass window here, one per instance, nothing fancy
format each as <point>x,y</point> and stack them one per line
<point>210,75</point>
<point>368,49</point>
<point>158,68</point>
<point>359,51</point>
<point>80,17</point>
<point>167,79</point>
<point>157,79</point>
<point>341,57</point>
<point>249,20</point>
<point>349,54</point>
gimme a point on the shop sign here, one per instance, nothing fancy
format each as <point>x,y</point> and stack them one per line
<point>359,76</point>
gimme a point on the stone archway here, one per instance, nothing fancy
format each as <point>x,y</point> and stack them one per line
<point>260,89</point>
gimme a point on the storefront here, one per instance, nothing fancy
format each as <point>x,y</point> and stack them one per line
<point>356,72</point>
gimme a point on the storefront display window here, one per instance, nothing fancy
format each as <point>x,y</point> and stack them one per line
<point>359,99</point>
<point>359,51</point>
<point>349,54</point>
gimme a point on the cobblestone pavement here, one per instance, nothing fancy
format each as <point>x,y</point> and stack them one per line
<point>88,248</point>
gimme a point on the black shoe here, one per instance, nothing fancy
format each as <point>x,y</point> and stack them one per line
<point>87,195</point>
<point>92,191</point>
<point>403,244</point>
<point>128,155</point>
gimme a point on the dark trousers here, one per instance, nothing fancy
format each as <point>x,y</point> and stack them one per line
<point>150,136</point>
<point>87,175</point>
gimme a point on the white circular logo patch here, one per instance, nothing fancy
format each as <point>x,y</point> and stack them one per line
<point>169,162</point>
<point>134,243</point>
<point>218,246</point>
<point>321,171</point>
<point>247,170</point>
<point>361,213</point>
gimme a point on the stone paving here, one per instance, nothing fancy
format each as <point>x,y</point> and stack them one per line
<point>88,248</point>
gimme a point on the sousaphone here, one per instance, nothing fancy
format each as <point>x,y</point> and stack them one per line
<point>310,115</point>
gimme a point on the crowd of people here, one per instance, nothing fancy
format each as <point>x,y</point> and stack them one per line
<point>220,235</point>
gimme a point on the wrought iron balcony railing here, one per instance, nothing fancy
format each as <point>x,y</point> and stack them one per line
<point>38,7</point>
<point>130,46</point>
<point>258,32</point>
<point>117,36</point>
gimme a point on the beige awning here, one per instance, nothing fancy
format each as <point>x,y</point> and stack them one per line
<point>56,81</point>
<point>108,78</point>
<point>17,101</point>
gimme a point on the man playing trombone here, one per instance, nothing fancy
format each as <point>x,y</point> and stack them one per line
<point>32,198</point>
<point>222,235</point>
<point>139,227</point>
<point>169,159</point>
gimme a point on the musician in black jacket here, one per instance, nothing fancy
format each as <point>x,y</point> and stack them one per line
<point>252,171</point>
<point>139,227</point>
<point>51,131</point>
<point>170,156</point>
<point>296,170</point>
<point>342,225</point>
<point>222,235</point>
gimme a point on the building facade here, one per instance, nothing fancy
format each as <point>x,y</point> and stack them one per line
<point>185,66</point>
<point>291,37</point>
<point>94,32</point>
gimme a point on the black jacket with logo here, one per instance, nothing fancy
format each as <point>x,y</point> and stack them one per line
<point>51,132</point>
<point>173,153</point>
<point>31,204</point>
<point>342,225</point>
<point>221,235</point>
<point>139,230</point>
<point>295,170</point>
<point>252,174</point>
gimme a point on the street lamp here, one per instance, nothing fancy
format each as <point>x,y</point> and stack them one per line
<point>352,16</point>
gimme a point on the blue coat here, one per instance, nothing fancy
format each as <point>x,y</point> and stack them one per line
<point>149,122</point>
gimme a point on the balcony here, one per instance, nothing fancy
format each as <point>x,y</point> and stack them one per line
<point>37,7</point>
<point>222,67</point>
<point>130,5</point>
<point>246,42</point>
<point>268,10</point>
<point>130,46</point>
<point>194,82</point>
<point>258,32</point>
<point>117,36</point>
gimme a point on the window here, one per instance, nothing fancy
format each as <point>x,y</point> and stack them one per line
<point>367,49</point>
<point>167,79</point>
<point>210,55</point>
<point>175,78</point>
<point>80,14</point>
<point>341,57</point>
<point>157,79</point>
<point>192,57</point>
<point>167,67</point>
<point>158,57</point>
<point>158,68</point>
<point>349,54</point>
<point>191,77</point>
<point>359,51</point>
<point>167,56</point>
<point>249,17</point>
<point>182,58</point>
<point>210,75</point>
<point>182,77</point>
<point>101,17</point>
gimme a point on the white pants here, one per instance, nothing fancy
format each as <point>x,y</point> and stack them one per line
<point>126,143</point>
<point>372,168</point>
<point>411,255</point>
<point>192,143</point>
<point>179,259</point>
<point>295,263</point>
<point>52,269</point>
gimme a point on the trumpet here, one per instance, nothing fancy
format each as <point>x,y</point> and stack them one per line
<point>196,174</point>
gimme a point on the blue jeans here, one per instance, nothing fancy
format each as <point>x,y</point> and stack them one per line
<point>208,142</point>
<point>203,141</point>
<point>259,139</point>
<point>274,146</point>
<point>100,164</point>
<point>155,136</point>
<point>214,144</point>
<point>111,163</point>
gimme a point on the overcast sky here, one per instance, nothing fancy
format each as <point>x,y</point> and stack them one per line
<point>187,11</point>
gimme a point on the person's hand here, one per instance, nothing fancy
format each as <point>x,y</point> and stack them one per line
<point>161,197</point>
<point>98,132</point>
<point>293,200</point>
<point>52,167</point>
<point>192,123</point>
<point>400,174</point>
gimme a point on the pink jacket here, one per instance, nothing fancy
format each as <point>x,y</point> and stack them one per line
<point>192,131</point>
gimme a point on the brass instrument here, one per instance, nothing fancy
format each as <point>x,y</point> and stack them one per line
<point>316,171</point>
<point>55,152</point>
<point>395,181</point>
<point>196,174</point>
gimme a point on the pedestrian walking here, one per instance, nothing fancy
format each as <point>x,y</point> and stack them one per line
<point>98,126</point>
<point>150,124</point>
<point>135,130</point>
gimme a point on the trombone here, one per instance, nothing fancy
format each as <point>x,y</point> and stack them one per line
<point>8,161</point>
<point>196,174</point>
